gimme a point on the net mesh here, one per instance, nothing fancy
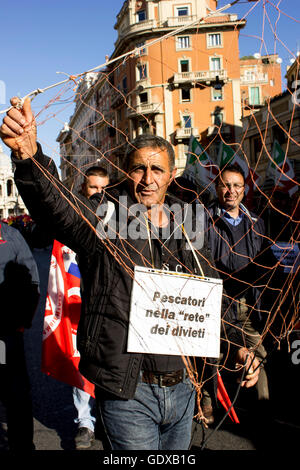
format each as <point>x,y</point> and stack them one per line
<point>270,288</point>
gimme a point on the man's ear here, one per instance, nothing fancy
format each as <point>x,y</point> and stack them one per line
<point>173,174</point>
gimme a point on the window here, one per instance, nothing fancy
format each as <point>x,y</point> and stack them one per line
<point>218,118</point>
<point>182,11</point>
<point>215,63</point>
<point>183,42</point>
<point>185,94</point>
<point>279,135</point>
<point>124,84</point>
<point>217,95</point>
<point>141,15</point>
<point>184,66</point>
<point>257,146</point>
<point>254,97</point>
<point>214,40</point>
<point>119,115</point>
<point>250,75</point>
<point>9,187</point>
<point>145,127</point>
<point>187,121</point>
<point>141,71</point>
<point>143,98</point>
<point>142,51</point>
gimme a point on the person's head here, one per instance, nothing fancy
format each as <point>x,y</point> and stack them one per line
<point>230,187</point>
<point>150,164</point>
<point>96,178</point>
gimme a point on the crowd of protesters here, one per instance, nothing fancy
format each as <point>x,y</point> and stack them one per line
<point>131,387</point>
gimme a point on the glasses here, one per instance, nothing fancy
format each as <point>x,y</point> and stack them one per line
<point>230,186</point>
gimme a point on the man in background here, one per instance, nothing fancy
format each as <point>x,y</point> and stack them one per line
<point>96,178</point>
<point>19,294</point>
<point>236,238</point>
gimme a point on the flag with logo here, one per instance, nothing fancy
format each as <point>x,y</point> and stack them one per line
<point>200,169</point>
<point>281,171</point>
<point>227,156</point>
<point>60,357</point>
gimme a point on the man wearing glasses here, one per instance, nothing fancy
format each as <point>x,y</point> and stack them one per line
<point>236,238</point>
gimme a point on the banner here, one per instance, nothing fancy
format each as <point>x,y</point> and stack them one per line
<point>281,171</point>
<point>200,169</point>
<point>60,357</point>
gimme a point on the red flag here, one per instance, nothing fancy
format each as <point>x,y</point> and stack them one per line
<point>223,397</point>
<point>60,357</point>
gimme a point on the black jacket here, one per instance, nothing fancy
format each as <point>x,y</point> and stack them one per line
<point>106,265</point>
<point>246,270</point>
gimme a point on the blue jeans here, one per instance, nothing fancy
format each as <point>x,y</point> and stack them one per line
<point>84,405</point>
<point>157,418</point>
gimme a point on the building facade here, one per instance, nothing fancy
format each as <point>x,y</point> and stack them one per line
<point>187,83</point>
<point>278,120</point>
<point>10,201</point>
<point>260,80</point>
<point>175,72</point>
<point>85,139</point>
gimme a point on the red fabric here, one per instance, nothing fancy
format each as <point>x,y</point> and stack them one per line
<point>60,357</point>
<point>223,397</point>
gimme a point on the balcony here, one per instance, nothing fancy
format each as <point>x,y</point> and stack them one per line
<point>252,79</point>
<point>175,21</point>
<point>206,76</point>
<point>186,132</point>
<point>145,108</point>
<point>136,28</point>
<point>212,130</point>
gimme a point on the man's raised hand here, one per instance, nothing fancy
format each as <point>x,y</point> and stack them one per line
<point>18,130</point>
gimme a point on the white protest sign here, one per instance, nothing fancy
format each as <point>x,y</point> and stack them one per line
<point>176,314</point>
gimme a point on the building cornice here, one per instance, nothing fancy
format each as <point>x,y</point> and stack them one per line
<point>133,34</point>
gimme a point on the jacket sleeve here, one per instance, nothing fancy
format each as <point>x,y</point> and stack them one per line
<point>69,219</point>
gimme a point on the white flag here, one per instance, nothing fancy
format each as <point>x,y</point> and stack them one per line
<point>281,171</point>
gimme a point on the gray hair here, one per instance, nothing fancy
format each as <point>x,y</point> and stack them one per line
<point>152,141</point>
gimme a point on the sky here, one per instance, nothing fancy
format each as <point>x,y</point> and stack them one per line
<point>41,37</point>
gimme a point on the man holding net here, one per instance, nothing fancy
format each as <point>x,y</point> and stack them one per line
<point>146,401</point>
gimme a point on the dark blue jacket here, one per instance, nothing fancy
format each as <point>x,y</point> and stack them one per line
<point>241,272</point>
<point>19,281</point>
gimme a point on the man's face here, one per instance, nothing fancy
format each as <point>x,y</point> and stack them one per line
<point>94,184</point>
<point>150,175</point>
<point>230,190</point>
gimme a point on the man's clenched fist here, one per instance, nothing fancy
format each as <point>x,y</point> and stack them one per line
<point>18,130</point>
